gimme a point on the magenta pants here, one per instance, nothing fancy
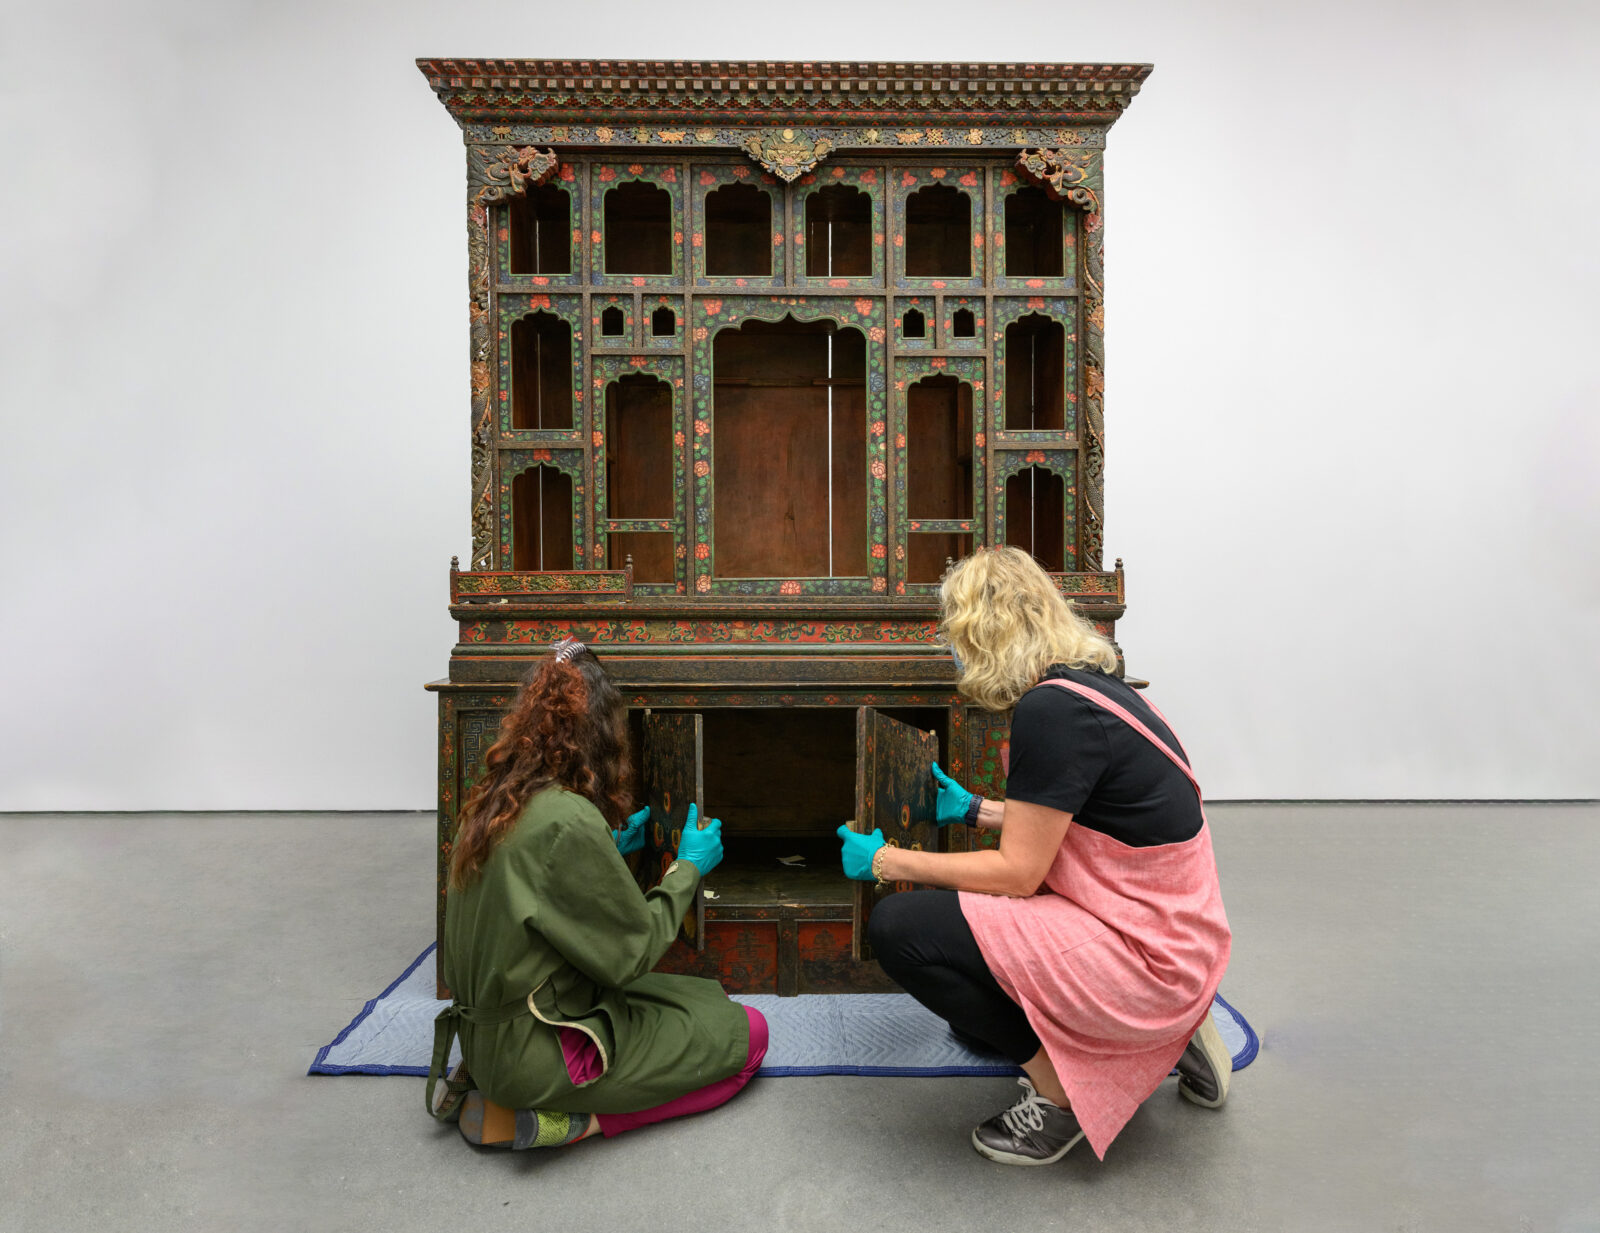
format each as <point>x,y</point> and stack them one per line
<point>701,1099</point>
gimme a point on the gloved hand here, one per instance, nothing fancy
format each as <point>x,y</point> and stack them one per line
<point>631,837</point>
<point>858,852</point>
<point>953,802</point>
<point>701,847</point>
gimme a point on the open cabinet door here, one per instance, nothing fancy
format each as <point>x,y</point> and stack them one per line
<point>673,774</point>
<point>894,791</point>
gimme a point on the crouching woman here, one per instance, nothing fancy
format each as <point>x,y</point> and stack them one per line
<point>1088,946</point>
<point>549,943</point>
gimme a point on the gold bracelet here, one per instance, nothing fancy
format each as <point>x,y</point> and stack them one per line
<point>877,865</point>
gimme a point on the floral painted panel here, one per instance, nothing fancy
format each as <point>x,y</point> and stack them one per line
<point>868,180</point>
<point>971,371</point>
<point>705,180</point>
<point>510,308</point>
<point>1006,463</point>
<point>662,322</point>
<point>1006,182</point>
<point>714,313</point>
<point>569,179</point>
<point>968,180</point>
<point>1060,309</point>
<point>608,176</point>
<point>570,462</point>
<point>611,321</point>
<point>669,370</point>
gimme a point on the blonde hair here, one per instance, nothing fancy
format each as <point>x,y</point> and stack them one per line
<point>1007,622</point>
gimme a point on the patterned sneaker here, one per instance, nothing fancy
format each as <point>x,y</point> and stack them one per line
<point>1205,1068</point>
<point>1031,1132</point>
<point>487,1124</point>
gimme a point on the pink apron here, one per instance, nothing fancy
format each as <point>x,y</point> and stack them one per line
<point>1115,960</point>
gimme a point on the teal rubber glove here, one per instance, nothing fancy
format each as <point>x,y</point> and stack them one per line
<point>701,846</point>
<point>955,803</point>
<point>631,837</point>
<point>858,852</point>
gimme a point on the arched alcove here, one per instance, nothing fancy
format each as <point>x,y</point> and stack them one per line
<point>1036,230</point>
<point>1035,374</point>
<point>938,233</point>
<point>540,225</point>
<point>638,229</point>
<point>1036,516</point>
<point>541,372</point>
<point>738,231</point>
<point>838,232</point>
<point>541,519</point>
<point>790,436</point>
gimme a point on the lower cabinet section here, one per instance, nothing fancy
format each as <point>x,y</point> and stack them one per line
<point>778,915</point>
<point>784,956</point>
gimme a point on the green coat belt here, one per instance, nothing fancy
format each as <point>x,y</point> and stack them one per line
<point>555,933</point>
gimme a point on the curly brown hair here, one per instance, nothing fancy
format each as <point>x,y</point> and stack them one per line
<point>568,727</point>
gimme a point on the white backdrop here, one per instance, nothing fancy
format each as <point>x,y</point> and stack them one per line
<point>1351,409</point>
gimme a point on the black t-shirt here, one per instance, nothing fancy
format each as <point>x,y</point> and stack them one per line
<point>1067,753</point>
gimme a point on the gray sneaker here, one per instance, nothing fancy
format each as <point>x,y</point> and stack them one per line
<point>1031,1132</point>
<point>1205,1068</point>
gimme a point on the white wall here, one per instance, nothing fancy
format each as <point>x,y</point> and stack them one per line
<point>1351,305</point>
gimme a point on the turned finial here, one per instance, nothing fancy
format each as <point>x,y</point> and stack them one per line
<point>455,565</point>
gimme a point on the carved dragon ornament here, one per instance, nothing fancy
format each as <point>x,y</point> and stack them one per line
<point>786,153</point>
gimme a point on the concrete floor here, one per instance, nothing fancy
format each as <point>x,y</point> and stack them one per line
<point>1426,980</point>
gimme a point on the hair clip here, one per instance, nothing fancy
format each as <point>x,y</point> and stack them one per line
<point>567,649</point>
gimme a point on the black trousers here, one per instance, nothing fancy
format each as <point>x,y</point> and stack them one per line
<point>923,942</point>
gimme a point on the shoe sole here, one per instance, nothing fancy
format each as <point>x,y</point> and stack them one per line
<point>486,1124</point>
<point>1216,1053</point>
<point>999,1157</point>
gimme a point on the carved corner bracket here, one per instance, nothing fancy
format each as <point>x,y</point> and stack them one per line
<point>1072,176</point>
<point>786,153</point>
<point>498,173</point>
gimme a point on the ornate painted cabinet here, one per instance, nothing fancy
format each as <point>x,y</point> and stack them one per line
<point>756,348</point>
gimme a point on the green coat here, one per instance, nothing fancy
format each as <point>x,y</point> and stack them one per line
<point>555,932</point>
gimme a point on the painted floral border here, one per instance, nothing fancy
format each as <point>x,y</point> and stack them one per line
<point>568,178</point>
<point>867,313</point>
<point>971,180</point>
<point>510,308</point>
<point>606,176</point>
<point>605,369</point>
<point>705,179</point>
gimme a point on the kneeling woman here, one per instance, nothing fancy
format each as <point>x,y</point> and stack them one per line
<point>549,943</point>
<point>1087,947</point>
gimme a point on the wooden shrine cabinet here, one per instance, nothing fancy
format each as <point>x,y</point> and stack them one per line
<point>756,349</point>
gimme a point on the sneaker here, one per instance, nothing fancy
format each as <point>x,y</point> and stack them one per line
<point>1031,1132</point>
<point>1205,1068</point>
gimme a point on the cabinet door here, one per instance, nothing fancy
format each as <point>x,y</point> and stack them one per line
<point>894,791</point>
<point>673,774</point>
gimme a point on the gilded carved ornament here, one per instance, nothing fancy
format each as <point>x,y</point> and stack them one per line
<point>1068,175</point>
<point>786,153</point>
<point>498,173</point>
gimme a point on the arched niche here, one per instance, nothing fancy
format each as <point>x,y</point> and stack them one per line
<point>938,233</point>
<point>1035,374</point>
<point>541,372</point>
<point>1036,231</point>
<point>738,232</point>
<point>838,232</point>
<point>938,470</point>
<point>638,222</point>
<point>1035,515</point>
<point>790,445</point>
<point>540,225</point>
<point>541,519</point>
